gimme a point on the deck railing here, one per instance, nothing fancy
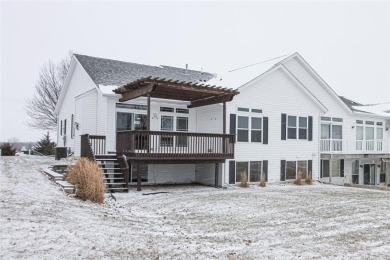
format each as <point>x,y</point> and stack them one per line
<point>92,145</point>
<point>160,145</point>
<point>354,146</point>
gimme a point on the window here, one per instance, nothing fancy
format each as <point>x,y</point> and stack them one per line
<point>256,111</point>
<point>131,106</point>
<point>291,170</point>
<point>241,168</point>
<point>166,125</point>
<point>123,121</point>
<point>242,129</point>
<point>379,123</point>
<point>355,172</point>
<point>167,109</point>
<point>325,131</point>
<point>72,126</point>
<point>302,168</point>
<point>359,122</point>
<point>337,132</point>
<point>336,119</point>
<point>181,126</point>
<point>243,109</point>
<point>369,133</point>
<point>182,110</point>
<point>255,129</point>
<point>359,137</point>
<point>292,127</point>
<point>130,121</point>
<point>369,122</point>
<point>302,127</point>
<point>255,171</point>
<point>325,118</point>
<point>379,133</point>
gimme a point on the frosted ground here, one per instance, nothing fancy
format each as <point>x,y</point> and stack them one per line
<point>38,221</point>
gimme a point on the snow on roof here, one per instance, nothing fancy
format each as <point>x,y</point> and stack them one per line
<point>382,109</point>
<point>237,77</point>
<point>118,73</point>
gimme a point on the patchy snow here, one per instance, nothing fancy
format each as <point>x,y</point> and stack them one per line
<point>108,89</point>
<point>37,220</point>
<point>382,109</point>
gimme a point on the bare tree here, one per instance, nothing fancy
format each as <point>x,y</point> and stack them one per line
<point>40,108</point>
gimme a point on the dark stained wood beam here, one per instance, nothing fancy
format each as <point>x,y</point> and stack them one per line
<point>142,91</point>
<point>210,101</point>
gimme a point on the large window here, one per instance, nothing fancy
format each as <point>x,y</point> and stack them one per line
<point>293,168</point>
<point>297,127</point>
<point>335,168</point>
<point>254,172</point>
<point>130,121</point>
<point>249,128</point>
<point>325,168</point>
<point>302,128</point>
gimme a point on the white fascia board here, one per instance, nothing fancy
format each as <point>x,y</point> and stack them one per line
<point>85,93</point>
<point>321,81</point>
<point>68,78</point>
<point>370,115</point>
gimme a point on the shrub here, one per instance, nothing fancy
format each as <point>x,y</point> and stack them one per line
<point>298,179</point>
<point>88,178</point>
<point>244,180</point>
<point>262,181</point>
<point>7,150</point>
<point>308,179</point>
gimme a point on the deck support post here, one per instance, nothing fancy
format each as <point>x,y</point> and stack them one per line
<point>138,178</point>
<point>148,126</point>
<point>216,174</point>
<point>224,118</point>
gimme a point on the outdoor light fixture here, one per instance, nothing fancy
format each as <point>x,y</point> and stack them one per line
<point>76,125</point>
<point>361,166</point>
<point>379,165</point>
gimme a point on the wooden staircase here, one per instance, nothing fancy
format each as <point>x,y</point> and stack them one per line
<point>113,175</point>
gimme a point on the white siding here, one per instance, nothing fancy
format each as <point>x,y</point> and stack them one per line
<point>275,94</point>
<point>209,119</point>
<point>85,116</point>
<point>171,173</point>
<point>79,83</point>
<point>205,174</point>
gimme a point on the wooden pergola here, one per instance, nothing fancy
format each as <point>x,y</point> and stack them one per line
<point>129,142</point>
<point>198,94</point>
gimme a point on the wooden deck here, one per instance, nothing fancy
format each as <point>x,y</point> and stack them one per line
<point>163,146</point>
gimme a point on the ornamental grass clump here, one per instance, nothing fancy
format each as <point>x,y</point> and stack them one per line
<point>262,181</point>
<point>88,179</point>
<point>244,180</point>
<point>298,179</point>
<point>308,179</point>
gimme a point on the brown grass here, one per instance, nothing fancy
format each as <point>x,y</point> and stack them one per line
<point>244,180</point>
<point>262,181</point>
<point>298,179</point>
<point>88,178</point>
<point>308,179</point>
<point>384,188</point>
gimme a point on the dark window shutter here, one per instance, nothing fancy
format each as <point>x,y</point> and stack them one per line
<point>310,125</point>
<point>61,128</point>
<point>265,170</point>
<point>265,130</point>
<point>232,172</point>
<point>65,127</point>
<point>321,169</point>
<point>282,170</point>
<point>284,125</point>
<point>310,167</point>
<point>342,168</point>
<point>232,124</point>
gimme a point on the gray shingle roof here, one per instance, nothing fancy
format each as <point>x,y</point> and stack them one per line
<point>118,73</point>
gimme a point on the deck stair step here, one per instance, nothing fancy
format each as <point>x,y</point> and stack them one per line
<point>113,179</point>
<point>55,176</point>
<point>68,187</point>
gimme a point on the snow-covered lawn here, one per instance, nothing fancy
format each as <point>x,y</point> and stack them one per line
<point>38,221</point>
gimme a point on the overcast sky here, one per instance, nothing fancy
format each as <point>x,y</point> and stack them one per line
<point>346,42</point>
